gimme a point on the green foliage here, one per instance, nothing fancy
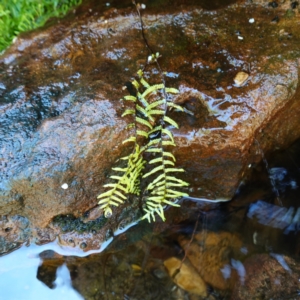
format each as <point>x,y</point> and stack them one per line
<point>151,137</point>
<point>17,16</point>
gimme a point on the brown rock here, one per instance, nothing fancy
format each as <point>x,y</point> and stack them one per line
<point>210,253</point>
<point>186,278</point>
<point>269,277</point>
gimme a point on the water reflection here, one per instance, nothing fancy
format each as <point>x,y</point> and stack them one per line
<point>275,216</point>
<point>18,278</point>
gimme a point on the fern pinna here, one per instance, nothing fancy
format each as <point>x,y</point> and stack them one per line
<point>151,135</point>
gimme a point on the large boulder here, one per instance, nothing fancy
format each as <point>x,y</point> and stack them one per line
<point>61,115</point>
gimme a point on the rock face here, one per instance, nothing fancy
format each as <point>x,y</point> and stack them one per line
<point>269,278</point>
<point>61,116</point>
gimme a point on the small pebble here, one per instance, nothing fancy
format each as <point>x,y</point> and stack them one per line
<point>240,37</point>
<point>294,4</point>
<point>240,78</point>
<point>251,20</point>
<point>83,245</point>
<point>273,4</point>
<point>64,186</point>
<point>275,19</point>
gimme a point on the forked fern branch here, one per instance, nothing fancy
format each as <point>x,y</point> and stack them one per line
<point>150,106</point>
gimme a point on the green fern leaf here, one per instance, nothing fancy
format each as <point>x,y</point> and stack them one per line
<point>172,178</point>
<point>143,122</point>
<point>155,160</point>
<point>169,155</point>
<point>154,142</point>
<point>155,181</point>
<point>168,133</point>
<point>144,83</point>
<point>105,194</point>
<point>115,177</point>
<point>128,112</point>
<point>142,100</point>
<point>154,150</point>
<point>174,170</point>
<point>119,169</point>
<point>115,185</point>
<point>168,162</point>
<point>120,195</point>
<point>141,110</point>
<point>156,128</point>
<point>131,139</point>
<point>156,169</point>
<point>107,212</point>
<point>171,122</point>
<point>172,90</point>
<point>130,125</point>
<point>171,104</point>
<point>142,133</point>
<point>156,112</point>
<point>130,98</point>
<point>152,88</point>
<point>168,143</point>
<point>155,104</point>
<point>171,203</point>
<point>135,84</point>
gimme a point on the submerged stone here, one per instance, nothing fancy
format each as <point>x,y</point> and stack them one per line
<point>61,122</point>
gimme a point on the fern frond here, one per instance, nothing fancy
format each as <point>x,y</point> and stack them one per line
<point>135,84</point>
<point>144,83</point>
<point>141,110</point>
<point>128,112</point>
<point>174,170</point>
<point>154,150</point>
<point>171,121</point>
<point>151,123</point>
<point>168,143</point>
<point>171,90</point>
<point>119,169</point>
<point>153,142</point>
<point>131,139</point>
<point>168,133</point>
<point>168,162</point>
<point>171,104</point>
<point>152,88</point>
<point>131,125</point>
<point>156,169</point>
<point>156,112</point>
<point>155,160</point>
<point>172,178</point>
<point>156,128</point>
<point>143,122</point>
<point>130,98</point>
<point>142,133</point>
<point>155,181</point>
<point>115,177</point>
<point>155,104</point>
<point>169,154</point>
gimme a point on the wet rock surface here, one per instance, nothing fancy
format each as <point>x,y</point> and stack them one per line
<point>185,276</point>
<point>61,116</point>
<point>269,277</point>
<point>215,257</point>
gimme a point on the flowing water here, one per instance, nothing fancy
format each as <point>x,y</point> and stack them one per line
<point>225,243</point>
